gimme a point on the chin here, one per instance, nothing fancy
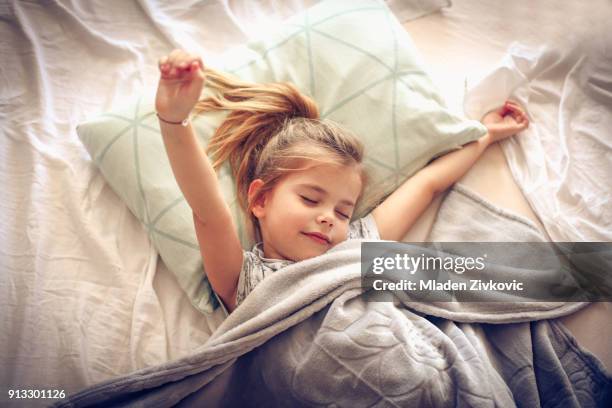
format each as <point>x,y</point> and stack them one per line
<point>308,250</point>
<point>306,254</point>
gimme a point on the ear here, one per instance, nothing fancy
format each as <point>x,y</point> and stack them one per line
<point>258,208</point>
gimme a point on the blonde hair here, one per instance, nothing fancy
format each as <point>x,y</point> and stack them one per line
<point>272,130</point>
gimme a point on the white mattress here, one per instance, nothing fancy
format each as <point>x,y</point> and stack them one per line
<point>83,296</point>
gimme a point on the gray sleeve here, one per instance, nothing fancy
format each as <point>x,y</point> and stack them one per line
<point>250,275</point>
<point>364,228</point>
<point>245,280</point>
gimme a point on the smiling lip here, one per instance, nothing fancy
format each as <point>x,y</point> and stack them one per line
<point>320,238</point>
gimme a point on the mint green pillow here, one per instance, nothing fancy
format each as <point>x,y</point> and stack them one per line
<point>353,58</point>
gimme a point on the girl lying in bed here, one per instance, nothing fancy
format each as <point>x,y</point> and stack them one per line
<point>299,177</point>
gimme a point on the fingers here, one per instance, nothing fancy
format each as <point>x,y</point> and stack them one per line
<point>516,124</point>
<point>179,64</point>
<point>514,105</point>
<point>514,110</point>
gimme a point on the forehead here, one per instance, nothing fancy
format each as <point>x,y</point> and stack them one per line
<point>343,181</point>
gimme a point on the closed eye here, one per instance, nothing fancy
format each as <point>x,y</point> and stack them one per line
<point>308,200</point>
<point>342,215</point>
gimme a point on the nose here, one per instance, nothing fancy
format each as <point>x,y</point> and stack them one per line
<point>325,219</point>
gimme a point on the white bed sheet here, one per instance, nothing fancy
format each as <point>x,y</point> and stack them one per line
<point>558,170</point>
<point>83,296</point>
<point>562,162</point>
<point>563,166</point>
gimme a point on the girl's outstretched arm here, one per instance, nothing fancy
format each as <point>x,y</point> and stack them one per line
<point>180,85</point>
<point>400,210</point>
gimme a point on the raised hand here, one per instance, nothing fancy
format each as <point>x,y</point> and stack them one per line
<point>180,85</point>
<point>505,121</point>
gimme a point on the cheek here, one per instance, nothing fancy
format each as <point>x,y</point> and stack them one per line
<point>299,216</point>
<point>289,215</point>
<point>296,211</point>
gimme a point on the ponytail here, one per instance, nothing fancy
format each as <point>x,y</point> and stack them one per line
<point>268,127</point>
<point>257,113</point>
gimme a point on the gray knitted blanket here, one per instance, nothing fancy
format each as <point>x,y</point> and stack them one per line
<point>307,337</point>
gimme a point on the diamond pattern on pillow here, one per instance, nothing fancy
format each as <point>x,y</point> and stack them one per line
<point>363,70</point>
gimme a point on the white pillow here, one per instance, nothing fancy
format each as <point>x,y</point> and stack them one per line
<point>407,10</point>
<point>360,66</point>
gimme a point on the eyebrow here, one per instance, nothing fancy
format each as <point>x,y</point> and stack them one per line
<point>323,191</point>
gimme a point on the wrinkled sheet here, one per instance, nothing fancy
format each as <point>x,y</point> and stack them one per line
<point>563,162</point>
<point>307,335</point>
<point>555,58</point>
<point>83,296</point>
